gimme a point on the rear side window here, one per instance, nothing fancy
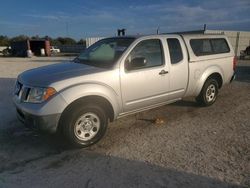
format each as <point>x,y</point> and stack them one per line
<point>220,46</point>
<point>202,47</point>
<point>175,50</point>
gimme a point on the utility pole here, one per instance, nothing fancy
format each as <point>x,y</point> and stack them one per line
<point>67,29</point>
<point>158,30</point>
<point>205,27</point>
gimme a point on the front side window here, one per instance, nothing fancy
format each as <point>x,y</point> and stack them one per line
<point>147,53</point>
<point>104,53</point>
<point>175,50</point>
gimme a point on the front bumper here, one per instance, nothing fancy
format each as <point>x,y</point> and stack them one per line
<point>41,116</point>
<point>46,123</point>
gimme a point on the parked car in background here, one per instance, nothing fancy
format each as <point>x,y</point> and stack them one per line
<point>2,48</point>
<point>5,51</point>
<point>54,50</point>
<point>119,76</point>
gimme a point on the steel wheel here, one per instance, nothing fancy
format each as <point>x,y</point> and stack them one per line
<point>211,93</point>
<point>83,124</point>
<point>87,126</point>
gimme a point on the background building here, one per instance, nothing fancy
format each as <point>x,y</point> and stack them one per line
<point>92,40</point>
<point>20,48</point>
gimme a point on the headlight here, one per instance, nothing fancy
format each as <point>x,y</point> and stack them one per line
<point>38,95</point>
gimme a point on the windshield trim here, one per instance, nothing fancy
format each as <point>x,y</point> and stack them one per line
<point>102,63</point>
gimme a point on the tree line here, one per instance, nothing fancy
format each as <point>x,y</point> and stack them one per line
<point>6,41</point>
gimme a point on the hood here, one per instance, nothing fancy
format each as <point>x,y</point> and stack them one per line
<point>44,76</point>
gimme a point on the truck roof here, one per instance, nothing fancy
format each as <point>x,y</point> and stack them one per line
<point>187,37</point>
<point>184,35</point>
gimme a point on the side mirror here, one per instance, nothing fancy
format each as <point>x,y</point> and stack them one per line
<point>138,62</point>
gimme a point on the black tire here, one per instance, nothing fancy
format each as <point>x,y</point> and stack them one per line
<point>71,117</point>
<point>210,87</point>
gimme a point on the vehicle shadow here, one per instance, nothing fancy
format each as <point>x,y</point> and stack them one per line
<point>186,103</point>
<point>95,170</point>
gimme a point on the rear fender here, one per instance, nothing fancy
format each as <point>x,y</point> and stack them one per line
<point>209,71</point>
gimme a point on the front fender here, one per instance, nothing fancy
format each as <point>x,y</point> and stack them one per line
<point>208,71</point>
<point>75,92</point>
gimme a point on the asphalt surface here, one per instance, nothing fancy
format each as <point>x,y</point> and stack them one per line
<point>189,147</point>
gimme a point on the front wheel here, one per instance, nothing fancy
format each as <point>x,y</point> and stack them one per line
<point>84,124</point>
<point>209,93</point>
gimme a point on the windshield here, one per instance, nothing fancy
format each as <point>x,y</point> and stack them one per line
<point>105,52</point>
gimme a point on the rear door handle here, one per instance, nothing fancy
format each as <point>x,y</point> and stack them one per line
<point>163,72</point>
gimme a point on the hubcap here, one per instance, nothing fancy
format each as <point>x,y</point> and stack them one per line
<point>210,93</point>
<point>87,126</point>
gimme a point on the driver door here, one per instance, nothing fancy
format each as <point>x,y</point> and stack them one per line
<point>147,83</point>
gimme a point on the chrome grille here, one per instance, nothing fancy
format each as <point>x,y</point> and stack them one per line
<point>21,91</point>
<point>18,88</point>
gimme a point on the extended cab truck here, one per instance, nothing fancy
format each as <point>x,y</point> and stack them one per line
<point>119,76</point>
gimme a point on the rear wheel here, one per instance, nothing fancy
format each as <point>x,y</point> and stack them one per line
<point>84,124</point>
<point>209,92</point>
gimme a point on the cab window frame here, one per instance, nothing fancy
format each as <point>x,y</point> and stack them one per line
<point>181,49</point>
<point>146,67</point>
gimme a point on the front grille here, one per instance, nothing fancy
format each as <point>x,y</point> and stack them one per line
<point>25,93</point>
<point>22,91</point>
<point>18,88</point>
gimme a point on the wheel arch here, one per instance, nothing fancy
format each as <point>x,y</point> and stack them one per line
<point>89,91</point>
<point>93,99</point>
<point>212,72</point>
<point>217,77</point>
<point>65,129</point>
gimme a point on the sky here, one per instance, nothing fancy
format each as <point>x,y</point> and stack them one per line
<point>101,18</point>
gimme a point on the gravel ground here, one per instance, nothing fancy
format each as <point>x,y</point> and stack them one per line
<point>193,147</point>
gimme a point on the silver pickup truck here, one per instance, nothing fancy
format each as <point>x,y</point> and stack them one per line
<point>119,76</point>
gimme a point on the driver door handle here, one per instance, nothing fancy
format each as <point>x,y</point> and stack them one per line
<point>163,72</point>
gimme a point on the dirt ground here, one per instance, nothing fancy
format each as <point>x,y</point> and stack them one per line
<point>193,147</point>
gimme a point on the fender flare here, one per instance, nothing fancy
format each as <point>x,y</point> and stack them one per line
<point>78,91</point>
<point>206,74</point>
